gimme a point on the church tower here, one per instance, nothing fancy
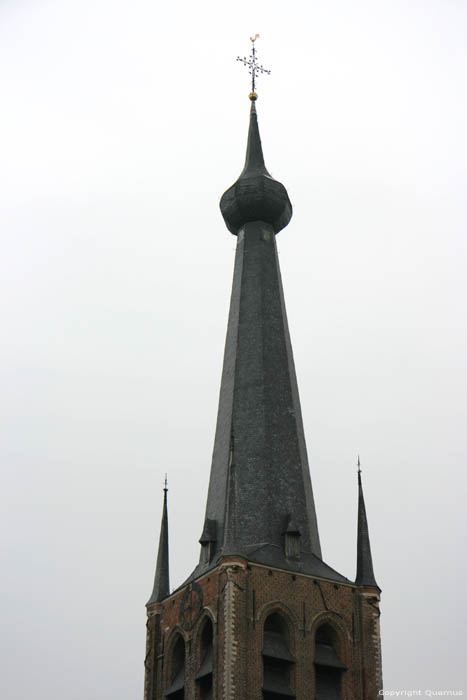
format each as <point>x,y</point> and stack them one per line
<point>262,616</point>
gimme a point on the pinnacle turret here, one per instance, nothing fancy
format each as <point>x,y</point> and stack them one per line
<point>161,580</point>
<point>365,575</point>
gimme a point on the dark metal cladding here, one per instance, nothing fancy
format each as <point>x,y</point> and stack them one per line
<point>365,575</point>
<point>161,580</point>
<point>256,196</point>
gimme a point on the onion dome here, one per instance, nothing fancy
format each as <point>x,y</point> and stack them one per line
<point>256,196</point>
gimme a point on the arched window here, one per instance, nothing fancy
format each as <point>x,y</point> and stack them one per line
<point>277,659</point>
<point>328,666</point>
<point>204,675</point>
<point>176,689</point>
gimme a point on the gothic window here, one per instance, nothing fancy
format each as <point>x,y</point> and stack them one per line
<point>328,666</point>
<point>176,689</point>
<point>277,660</point>
<point>204,675</point>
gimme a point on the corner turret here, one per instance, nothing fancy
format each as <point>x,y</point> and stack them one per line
<point>365,576</point>
<point>161,580</point>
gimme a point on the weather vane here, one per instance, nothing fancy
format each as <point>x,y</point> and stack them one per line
<point>253,67</point>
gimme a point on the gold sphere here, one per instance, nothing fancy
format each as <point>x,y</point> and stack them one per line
<point>253,96</point>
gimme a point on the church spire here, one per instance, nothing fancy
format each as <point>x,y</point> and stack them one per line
<point>261,581</point>
<point>161,580</point>
<point>260,479</point>
<point>365,575</point>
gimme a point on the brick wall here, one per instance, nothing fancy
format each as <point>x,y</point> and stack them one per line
<point>238,597</point>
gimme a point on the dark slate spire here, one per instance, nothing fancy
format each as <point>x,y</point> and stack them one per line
<point>365,575</point>
<point>256,196</point>
<point>254,160</point>
<point>161,580</point>
<point>260,480</point>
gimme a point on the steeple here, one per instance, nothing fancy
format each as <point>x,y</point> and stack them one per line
<point>261,616</point>
<point>161,580</point>
<point>365,575</point>
<point>260,480</point>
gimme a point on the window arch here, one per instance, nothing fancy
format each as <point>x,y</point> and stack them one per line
<point>328,666</point>
<point>176,689</point>
<point>204,675</point>
<point>277,660</point>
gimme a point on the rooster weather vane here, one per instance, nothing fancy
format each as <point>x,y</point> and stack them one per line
<point>253,66</point>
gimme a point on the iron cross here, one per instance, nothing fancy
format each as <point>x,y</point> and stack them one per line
<point>252,64</point>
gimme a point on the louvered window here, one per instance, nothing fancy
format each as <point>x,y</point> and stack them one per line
<point>277,660</point>
<point>328,666</point>
<point>176,689</point>
<point>204,675</point>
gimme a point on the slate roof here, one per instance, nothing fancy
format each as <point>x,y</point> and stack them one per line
<point>273,556</point>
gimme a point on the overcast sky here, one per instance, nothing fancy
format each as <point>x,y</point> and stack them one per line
<point>121,125</point>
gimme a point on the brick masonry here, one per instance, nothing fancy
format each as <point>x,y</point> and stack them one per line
<point>238,596</point>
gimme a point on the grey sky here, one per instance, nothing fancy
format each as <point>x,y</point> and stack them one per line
<point>121,125</point>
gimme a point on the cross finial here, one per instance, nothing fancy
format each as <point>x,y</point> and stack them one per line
<point>358,464</point>
<point>165,484</point>
<point>253,67</point>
